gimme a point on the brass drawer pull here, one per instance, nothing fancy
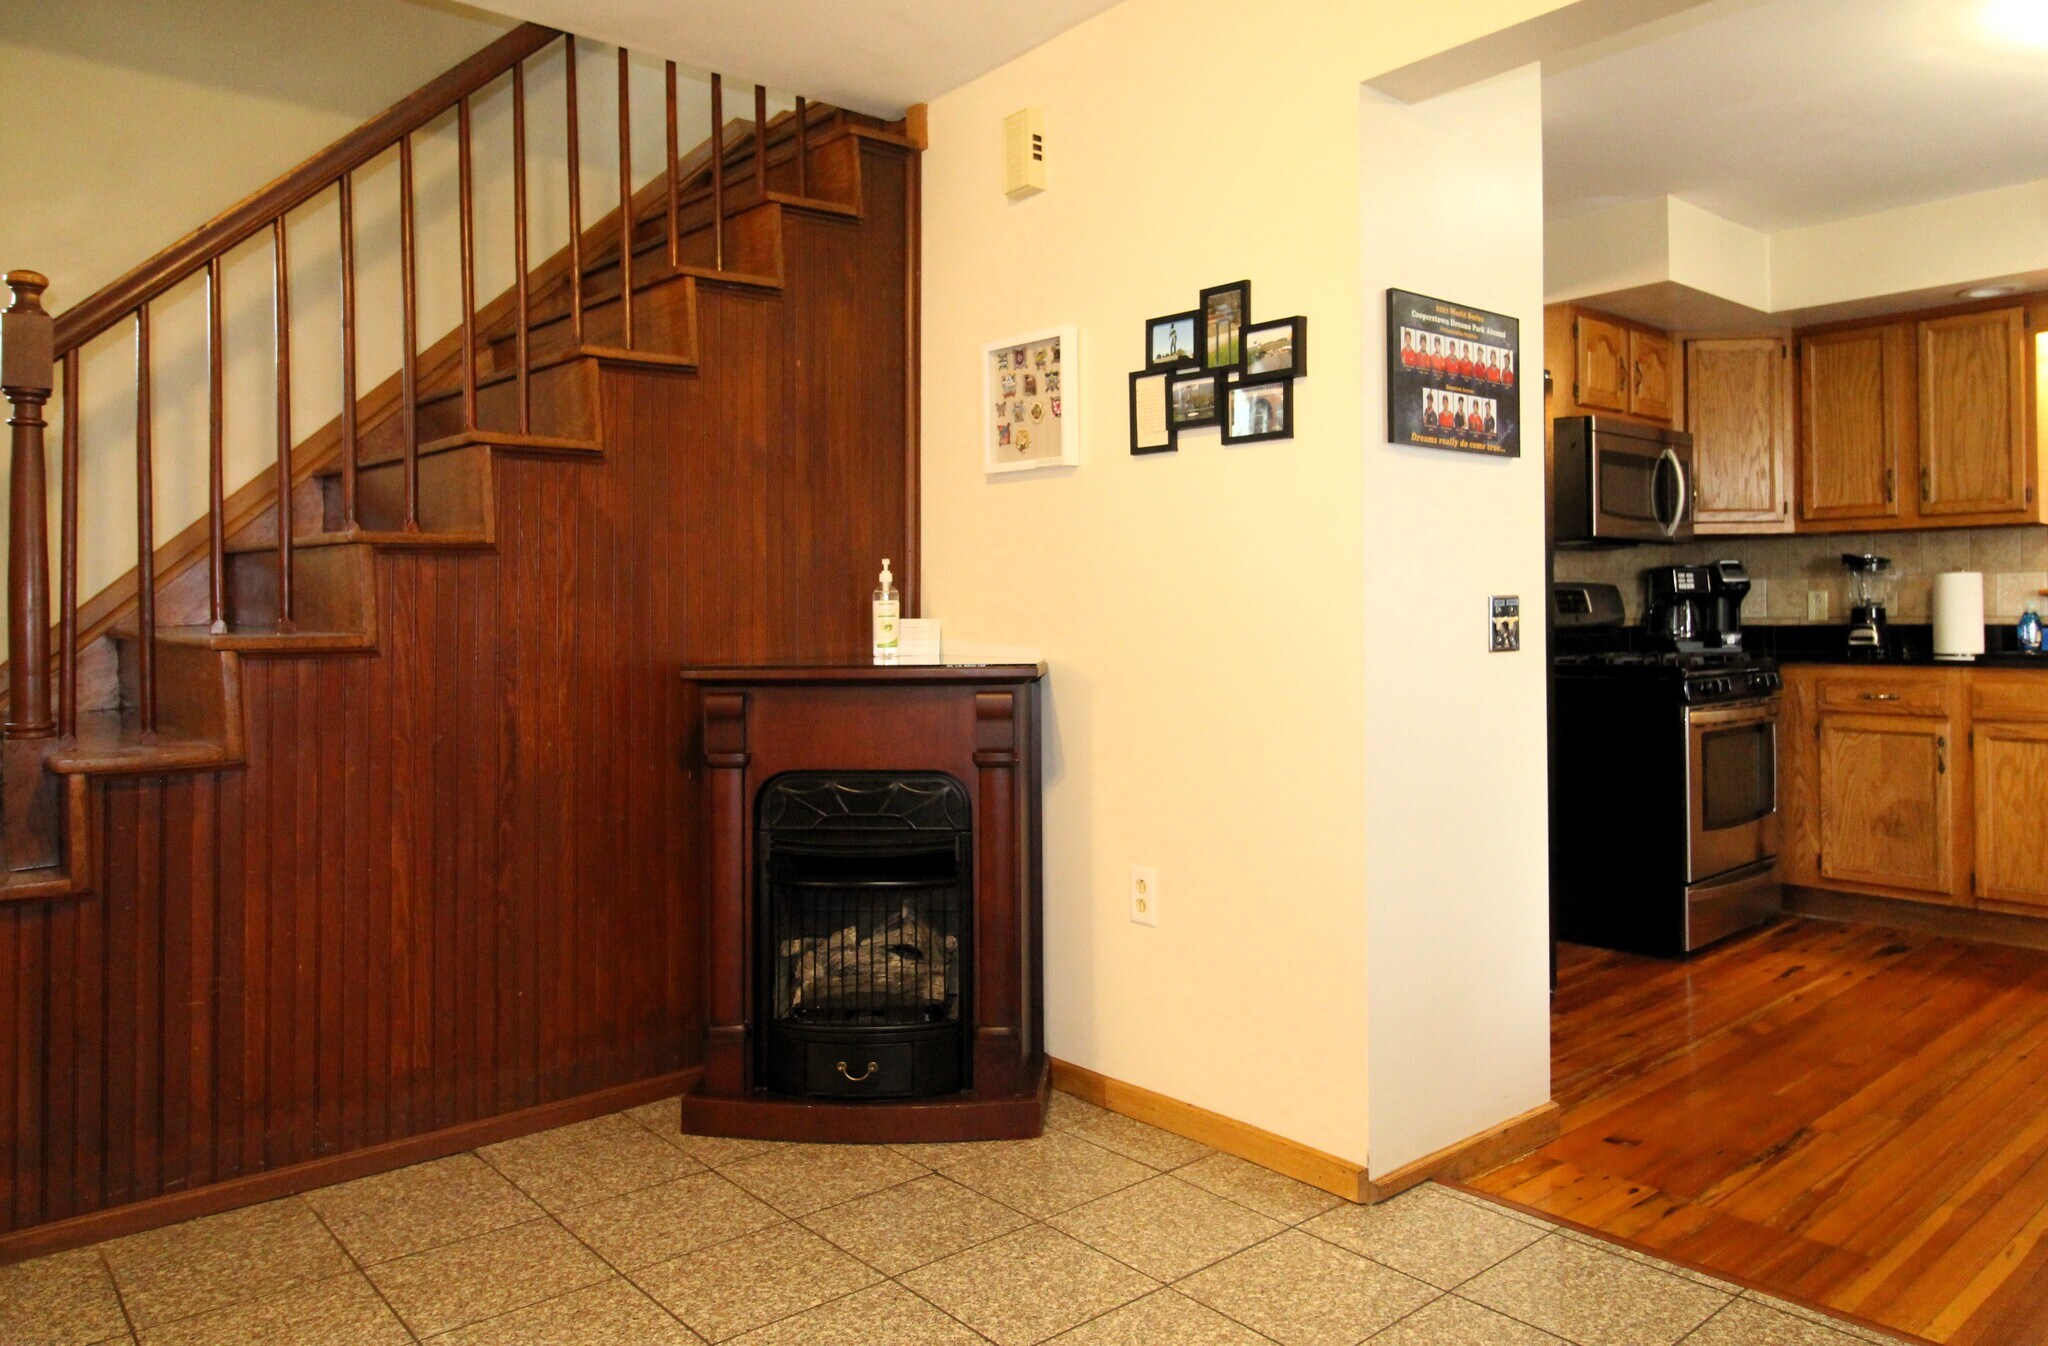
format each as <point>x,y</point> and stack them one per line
<point>1880,696</point>
<point>856,1079</point>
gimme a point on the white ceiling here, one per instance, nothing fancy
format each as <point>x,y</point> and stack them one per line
<point>878,56</point>
<point>1782,113</point>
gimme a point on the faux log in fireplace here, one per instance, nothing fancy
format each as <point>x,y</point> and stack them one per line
<point>872,894</point>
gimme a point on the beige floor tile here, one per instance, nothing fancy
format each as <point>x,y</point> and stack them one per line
<point>654,1224</point>
<point>589,1161</point>
<point>886,1315</point>
<point>412,1209</point>
<point>1159,1318</point>
<point>1138,1140</point>
<point>208,1264</point>
<point>1267,1192</point>
<point>1040,1177</point>
<point>915,1223</point>
<point>1301,1291</point>
<point>1452,1321</point>
<point>1062,1111</point>
<point>1747,1322</point>
<point>799,1179</point>
<point>66,1299</point>
<point>1165,1227</point>
<point>735,1287</point>
<point>664,1119</point>
<point>1027,1286</point>
<point>482,1277</point>
<point>1499,1207</point>
<point>342,1311</point>
<point>1649,1260</point>
<point>1427,1233</point>
<point>1593,1297</point>
<point>610,1313</point>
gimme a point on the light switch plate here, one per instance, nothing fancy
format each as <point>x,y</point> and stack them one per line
<point>1816,605</point>
<point>1504,623</point>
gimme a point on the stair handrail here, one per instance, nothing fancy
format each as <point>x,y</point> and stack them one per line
<point>240,222</point>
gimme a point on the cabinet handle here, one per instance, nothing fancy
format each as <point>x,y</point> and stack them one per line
<point>1639,376</point>
<point>1880,696</point>
<point>1926,485</point>
<point>1941,755</point>
<point>1891,486</point>
<point>856,1079</point>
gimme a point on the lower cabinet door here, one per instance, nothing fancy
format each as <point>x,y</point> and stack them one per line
<point>1885,801</point>
<point>2012,812</point>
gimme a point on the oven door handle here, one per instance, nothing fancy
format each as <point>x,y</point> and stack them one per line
<point>1722,717</point>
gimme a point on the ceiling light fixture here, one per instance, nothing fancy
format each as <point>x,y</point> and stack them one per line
<point>2019,21</point>
<point>1987,291</point>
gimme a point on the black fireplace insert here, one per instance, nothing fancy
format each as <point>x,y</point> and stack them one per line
<point>863,933</point>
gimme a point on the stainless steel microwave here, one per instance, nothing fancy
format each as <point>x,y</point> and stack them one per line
<point>1618,482</point>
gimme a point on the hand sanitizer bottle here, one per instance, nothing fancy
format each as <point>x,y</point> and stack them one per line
<point>886,610</point>
<point>2030,628</point>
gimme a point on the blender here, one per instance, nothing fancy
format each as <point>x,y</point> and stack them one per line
<point>1871,583</point>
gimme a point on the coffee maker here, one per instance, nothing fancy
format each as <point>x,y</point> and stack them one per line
<point>1692,608</point>
<point>1871,582</point>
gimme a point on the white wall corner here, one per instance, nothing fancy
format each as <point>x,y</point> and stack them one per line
<point>1617,247</point>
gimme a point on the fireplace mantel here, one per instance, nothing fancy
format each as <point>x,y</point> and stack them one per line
<point>978,724</point>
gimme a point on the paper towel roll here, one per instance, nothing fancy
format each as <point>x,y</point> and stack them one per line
<point>1959,614</point>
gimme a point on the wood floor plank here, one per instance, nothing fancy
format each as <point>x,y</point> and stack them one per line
<point>1845,1115</point>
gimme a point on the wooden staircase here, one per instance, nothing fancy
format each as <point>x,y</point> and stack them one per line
<point>147,693</point>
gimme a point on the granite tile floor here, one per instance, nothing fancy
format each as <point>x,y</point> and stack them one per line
<point>623,1232</point>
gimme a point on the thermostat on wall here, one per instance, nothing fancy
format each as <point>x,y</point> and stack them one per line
<point>1024,152</point>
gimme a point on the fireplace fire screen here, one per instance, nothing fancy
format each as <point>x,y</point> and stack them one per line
<point>865,894</point>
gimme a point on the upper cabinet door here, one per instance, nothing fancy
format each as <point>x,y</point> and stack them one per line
<point>1603,375</point>
<point>1736,398</point>
<point>1650,371</point>
<point>1849,424</point>
<point>1973,438</point>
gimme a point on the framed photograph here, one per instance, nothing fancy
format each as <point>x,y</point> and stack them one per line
<point>1225,310</point>
<point>1029,416</point>
<point>1277,349</point>
<point>1258,411</point>
<point>1151,430</point>
<point>1170,341</point>
<point>1451,376</point>
<point>1191,400</point>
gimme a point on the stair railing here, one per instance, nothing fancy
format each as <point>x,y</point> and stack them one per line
<point>33,347</point>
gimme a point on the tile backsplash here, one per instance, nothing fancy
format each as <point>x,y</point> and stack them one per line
<point>2014,562</point>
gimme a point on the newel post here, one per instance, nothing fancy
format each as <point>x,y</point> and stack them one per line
<point>27,347</point>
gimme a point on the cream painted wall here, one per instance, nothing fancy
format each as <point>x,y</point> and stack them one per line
<point>1203,612</point>
<point>1456,785</point>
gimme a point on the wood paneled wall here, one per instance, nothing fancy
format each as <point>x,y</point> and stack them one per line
<point>456,878</point>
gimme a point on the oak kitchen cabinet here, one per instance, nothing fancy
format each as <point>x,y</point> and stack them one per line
<point>1921,421</point>
<point>1738,409</point>
<point>1917,782</point>
<point>1616,367</point>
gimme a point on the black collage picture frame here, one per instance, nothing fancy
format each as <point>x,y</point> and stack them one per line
<point>1213,366</point>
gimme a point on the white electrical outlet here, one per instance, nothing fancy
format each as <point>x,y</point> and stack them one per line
<point>1145,895</point>
<point>1816,605</point>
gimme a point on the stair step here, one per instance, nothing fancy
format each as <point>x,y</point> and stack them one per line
<point>108,742</point>
<point>252,638</point>
<point>464,541</point>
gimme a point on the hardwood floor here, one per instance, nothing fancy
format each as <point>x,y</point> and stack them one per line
<point>1848,1115</point>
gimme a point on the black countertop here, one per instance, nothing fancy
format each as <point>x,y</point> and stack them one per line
<point>1907,646</point>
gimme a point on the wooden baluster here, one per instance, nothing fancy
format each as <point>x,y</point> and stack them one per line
<point>717,173</point>
<point>67,595</point>
<point>145,533</point>
<point>519,261</point>
<point>216,441</point>
<point>27,337</point>
<point>351,436</point>
<point>803,148</point>
<point>575,155</point>
<point>675,236</point>
<point>626,195</point>
<point>465,193</point>
<point>409,337</point>
<point>282,293</point>
<point>761,141</point>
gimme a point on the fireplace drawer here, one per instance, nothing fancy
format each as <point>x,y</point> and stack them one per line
<point>871,1070</point>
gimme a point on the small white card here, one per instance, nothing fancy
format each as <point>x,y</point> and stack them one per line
<point>917,640</point>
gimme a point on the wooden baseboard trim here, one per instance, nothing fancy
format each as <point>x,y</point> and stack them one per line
<point>1491,1148</point>
<point>1986,927</point>
<point>155,1212</point>
<point>1304,1163</point>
